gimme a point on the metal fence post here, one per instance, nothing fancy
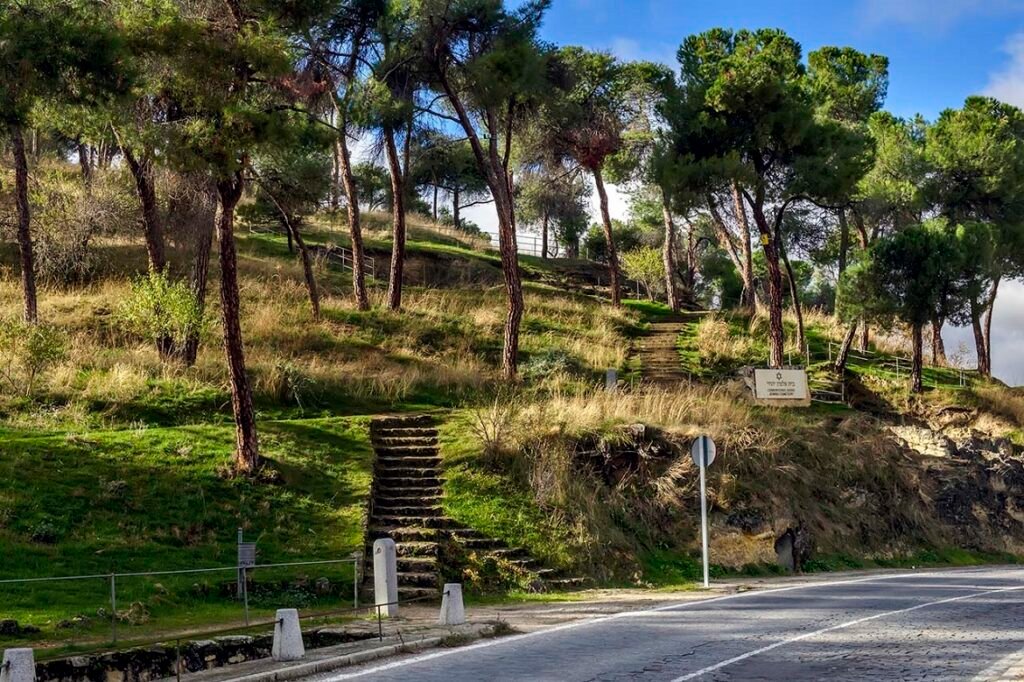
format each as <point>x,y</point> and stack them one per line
<point>355,581</point>
<point>113,607</point>
<point>245,593</point>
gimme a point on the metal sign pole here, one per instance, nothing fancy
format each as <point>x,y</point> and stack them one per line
<point>704,507</point>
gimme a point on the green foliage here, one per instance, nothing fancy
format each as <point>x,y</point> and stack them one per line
<point>645,265</point>
<point>161,308</point>
<point>27,351</point>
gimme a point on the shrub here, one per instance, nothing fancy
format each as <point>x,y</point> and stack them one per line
<point>159,308</point>
<point>716,343</point>
<point>645,265</point>
<point>27,351</point>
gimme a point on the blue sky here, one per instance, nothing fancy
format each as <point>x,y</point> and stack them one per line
<point>940,51</point>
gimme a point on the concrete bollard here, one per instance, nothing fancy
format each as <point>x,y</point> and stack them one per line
<point>19,665</point>
<point>287,637</point>
<point>385,576</point>
<point>452,610</point>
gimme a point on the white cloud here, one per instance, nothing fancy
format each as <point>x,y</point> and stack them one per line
<point>1007,335</point>
<point>932,15</point>
<point>1007,84</point>
<point>629,49</point>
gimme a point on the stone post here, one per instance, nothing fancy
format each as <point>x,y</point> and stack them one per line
<point>452,610</point>
<point>287,637</point>
<point>19,665</point>
<point>611,380</point>
<point>385,576</point>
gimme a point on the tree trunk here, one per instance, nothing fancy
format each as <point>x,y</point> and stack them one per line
<point>307,261</point>
<point>844,350</point>
<point>28,266</point>
<point>609,238</point>
<point>938,345</point>
<point>336,181</point>
<point>544,236</point>
<point>865,337</point>
<point>748,298</point>
<point>988,320</point>
<point>916,383</point>
<point>435,202</point>
<point>199,279</point>
<point>398,222</point>
<point>85,164</point>
<point>844,240</point>
<point>794,292</point>
<point>455,208</point>
<point>352,207</point>
<point>984,364</point>
<point>247,454</point>
<point>776,331</point>
<point>145,185</point>
<point>668,254</point>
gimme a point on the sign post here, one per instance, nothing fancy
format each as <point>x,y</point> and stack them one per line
<point>703,452</point>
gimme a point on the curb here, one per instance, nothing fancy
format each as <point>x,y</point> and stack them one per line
<point>333,663</point>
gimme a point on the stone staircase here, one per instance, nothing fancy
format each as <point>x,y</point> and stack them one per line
<point>406,500</point>
<point>405,505</point>
<point>660,363</point>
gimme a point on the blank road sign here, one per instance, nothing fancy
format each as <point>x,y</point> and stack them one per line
<point>706,445</point>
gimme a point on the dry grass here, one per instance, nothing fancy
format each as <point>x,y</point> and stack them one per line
<point>443,347</point>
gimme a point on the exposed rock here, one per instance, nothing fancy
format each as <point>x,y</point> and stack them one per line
<point>924,441</point>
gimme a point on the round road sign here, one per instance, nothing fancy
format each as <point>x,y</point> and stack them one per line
<point>707,446</point>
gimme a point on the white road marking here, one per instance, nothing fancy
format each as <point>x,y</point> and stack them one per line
<point>848,624</point>
<point>631,614</point>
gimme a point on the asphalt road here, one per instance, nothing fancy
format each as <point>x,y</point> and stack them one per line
<point>940,625</point>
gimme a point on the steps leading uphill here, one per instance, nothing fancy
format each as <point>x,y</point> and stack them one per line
<point>405,505</point>
<point>406,500</point>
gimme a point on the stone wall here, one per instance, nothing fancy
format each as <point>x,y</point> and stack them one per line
<point>157,662</point>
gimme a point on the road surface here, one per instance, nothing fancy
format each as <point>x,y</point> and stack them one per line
<point>936,625</point>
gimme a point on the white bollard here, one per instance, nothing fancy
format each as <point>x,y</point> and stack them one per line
<point>385,576</point>
<point>287,637</point>
<point>19,665</point>
<point>452,610</point>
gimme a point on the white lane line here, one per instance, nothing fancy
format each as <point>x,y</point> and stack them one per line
<point>848,624</point>
<point>624,614</point>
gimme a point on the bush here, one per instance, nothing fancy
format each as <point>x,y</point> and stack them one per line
<point>645,265</point>
<point>27,351</point>
<point>159,308</point>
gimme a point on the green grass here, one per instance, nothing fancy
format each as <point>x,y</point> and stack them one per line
<point>480,496</point>
<point>161,499</point>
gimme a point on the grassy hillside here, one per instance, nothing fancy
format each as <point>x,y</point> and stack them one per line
<point>117,461</point>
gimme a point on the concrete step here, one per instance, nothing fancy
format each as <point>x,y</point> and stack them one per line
<point>392,451</point>
<point>391,482</point>
<point>417,579</point>
<point>424,564</point>
<point>408,500</point>
<point>382,508</point>
<point>388,471</point>
<point>481,544</point>
<point>382,521</point>
<point>404,440</point>
<point>415,432</point>
<point>419,593</point>
<point>403,535</point>
<point>432,461</point>
<point>466,534</point>
<point>512,554</point>
<point>417,549</point>
<point>416,490</point>
<point>402,421</point>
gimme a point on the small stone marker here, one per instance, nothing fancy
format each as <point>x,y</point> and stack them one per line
<point>19,665</point>
<point>452,610</point>
<point>385,576</point>
<point>611,380</point>
<point>287,637</point>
